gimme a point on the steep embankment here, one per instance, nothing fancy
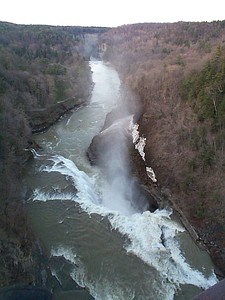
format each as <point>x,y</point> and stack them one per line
<point>41,119</point>
<point>44,73</point>
<point>177,71</point>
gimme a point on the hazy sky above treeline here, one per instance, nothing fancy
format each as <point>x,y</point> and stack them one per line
<point>109,13</point>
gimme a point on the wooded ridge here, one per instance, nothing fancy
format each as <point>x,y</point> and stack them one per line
<point>177,72</point>
<point>44,72</point>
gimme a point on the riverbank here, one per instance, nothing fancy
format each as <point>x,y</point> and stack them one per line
<point>175,80</point>
<point>158,195</point>
<point>41,120</point>
<point>168,194</point>
<point>21,251</point>
<point>74,238</point>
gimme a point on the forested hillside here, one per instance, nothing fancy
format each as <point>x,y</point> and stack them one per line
<point>177,72</point>
<point>39,67</point>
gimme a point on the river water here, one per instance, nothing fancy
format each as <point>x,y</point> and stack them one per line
<point>109,246</point>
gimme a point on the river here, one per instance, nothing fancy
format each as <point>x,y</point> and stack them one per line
<point>115,251</point>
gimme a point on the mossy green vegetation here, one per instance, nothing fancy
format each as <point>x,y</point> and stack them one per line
<point>205,90</point>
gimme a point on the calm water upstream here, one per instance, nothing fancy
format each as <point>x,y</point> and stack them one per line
<point>116,253</point>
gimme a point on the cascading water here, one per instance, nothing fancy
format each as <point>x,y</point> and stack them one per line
<point>91,231</point>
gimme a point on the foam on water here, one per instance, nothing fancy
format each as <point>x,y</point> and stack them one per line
<point>149,239</point>
<point>54,274</point>
<point>67,253</point>
<point>84,193</point>
<point>81,181</point>
<point>150,236</point>
<point>43,196</point>
<point>78,270</point>
<point>104,288</point>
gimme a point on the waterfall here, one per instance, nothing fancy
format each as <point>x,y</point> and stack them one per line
<point>88,218</point>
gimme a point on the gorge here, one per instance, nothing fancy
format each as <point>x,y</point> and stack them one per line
<point>72,203</point>
<point>91,229</point>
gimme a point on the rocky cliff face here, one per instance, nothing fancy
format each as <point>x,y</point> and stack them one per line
<point>117,135</point>
<point>185,192</point>
<point>41,119</point>
<point>174,69</point>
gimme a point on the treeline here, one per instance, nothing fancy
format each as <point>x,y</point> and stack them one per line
<point>205,90</point>
<point>155,47</point>
<point>177,71</point>
<point>39,66</point>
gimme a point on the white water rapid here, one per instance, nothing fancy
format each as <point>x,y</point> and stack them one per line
<point>92,232</point>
